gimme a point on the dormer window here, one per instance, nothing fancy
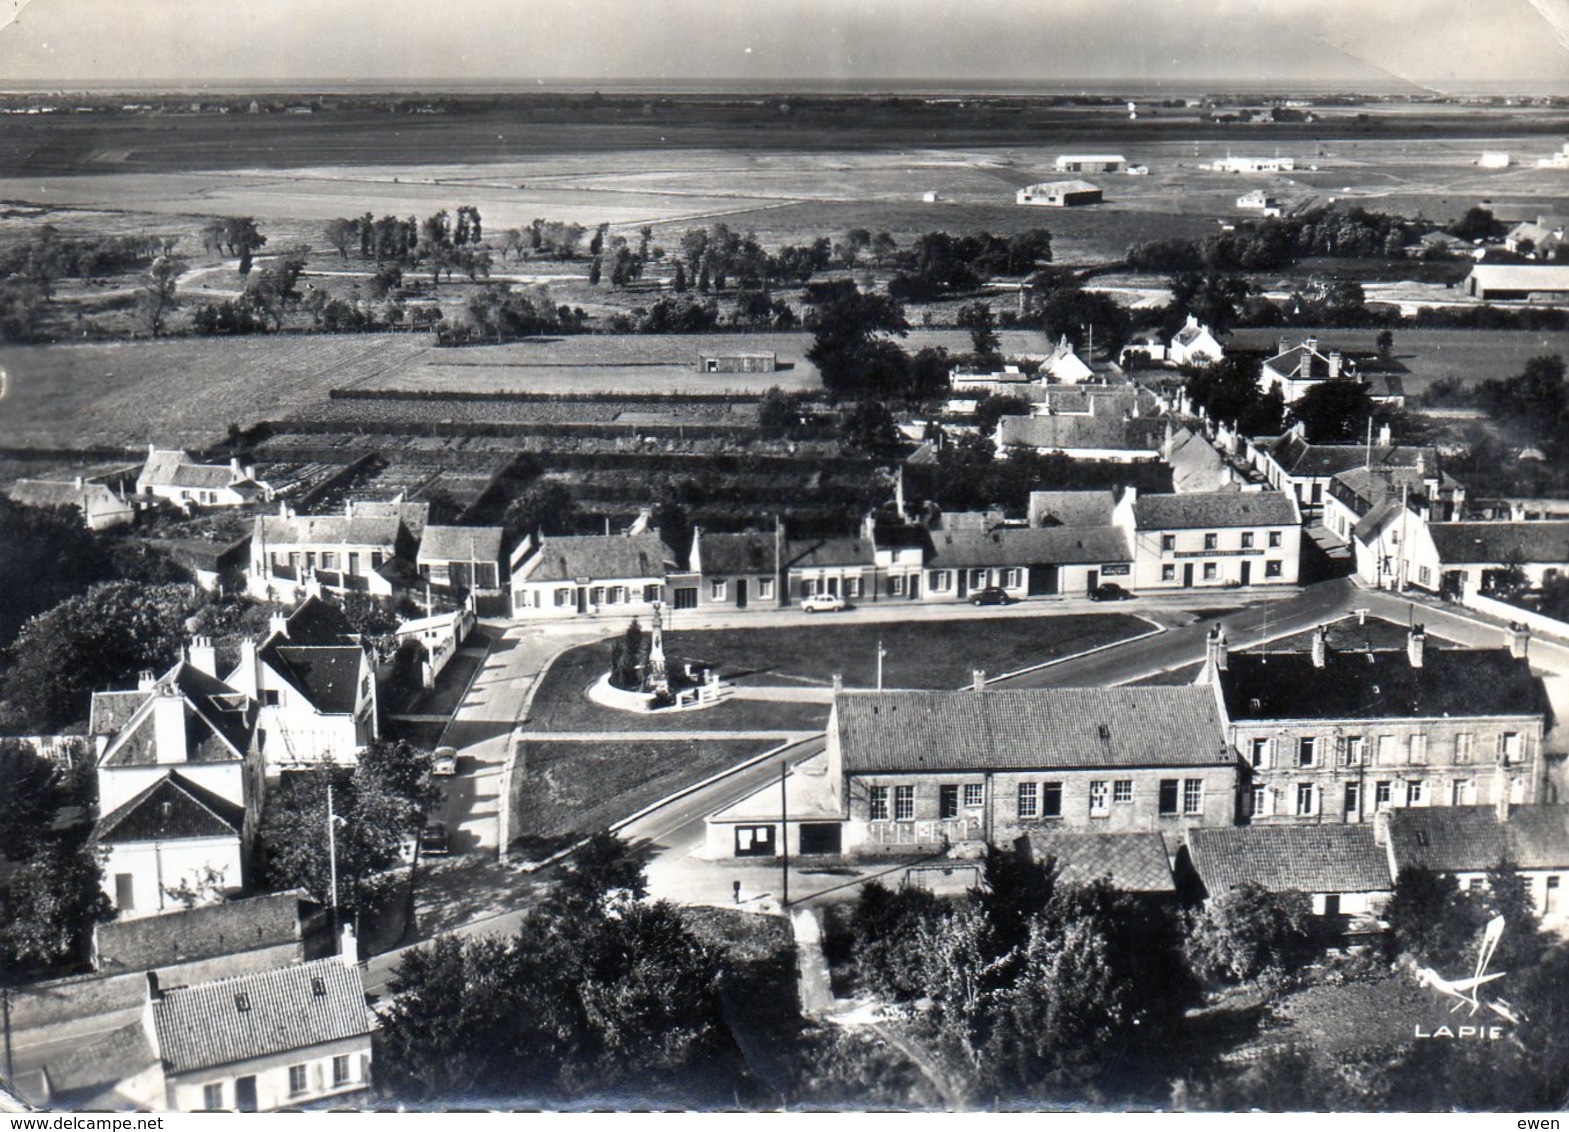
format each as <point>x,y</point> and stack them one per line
<point>242,1003</point>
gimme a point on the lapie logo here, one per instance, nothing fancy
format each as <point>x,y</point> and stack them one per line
<point>1466,993</point>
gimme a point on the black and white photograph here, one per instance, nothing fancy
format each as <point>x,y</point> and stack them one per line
<point>833,556</point>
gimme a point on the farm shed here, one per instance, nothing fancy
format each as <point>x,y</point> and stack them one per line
<point>759,362</point>
<point>1060,194</point>
<point>1091,163</point>
<point>1502,281</point>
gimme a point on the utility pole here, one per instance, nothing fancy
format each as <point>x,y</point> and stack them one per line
<point>784,834</point>
<point>332,861</point>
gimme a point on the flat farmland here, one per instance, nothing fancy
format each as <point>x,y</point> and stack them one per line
<point>1427,355</point>
<point>178,391</point>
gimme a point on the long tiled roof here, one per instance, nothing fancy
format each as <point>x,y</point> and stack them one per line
<point>328,530</point>
<point>1079,431</point>
<point>63,493</point>
<point>1521,277</point>
<point>1484,543</point>
<point>1071,508</point>
<point>1308,858</point>
<point>1472,839</point>
<point>460,544</point>
<point>1028,728</point>
<point>1301,458</point>
<point>565,558</point>
<point>172,809</point>
<point>808,553</point>
<point>1214,509</point>
<point>1380,684</point>
<point>111,711</point>
<point>253,1016</point>
<point>751,552</point>
<point>173,468</point>
<point>1026,546</point>
<point>1130,862</point>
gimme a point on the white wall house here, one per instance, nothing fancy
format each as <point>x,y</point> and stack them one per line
<point>586,575</point>
<point>1212,539</point>
<point>172,475</point>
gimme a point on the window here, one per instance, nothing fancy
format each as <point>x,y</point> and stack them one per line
<point>1414,792</point>
<point>1168,543</point>
<point>1211,542</point>
<point>765,589</point>
<point>618,595</point>
<point>895,585</point>
<point>1051,800</point>
<point>1271,568</point>
<point>1168,573</point>
<point>716,589</point>
<point>1386,750</point>
<point>1274,539</point>
<point>269,697</point>
<point>1305,793</point>
<point>597,595</point>
<point>1209,571</point>
<point>904,803</point>
<point>1381,794</point>
<point>1353,797</point>
<point>1355,746</point>
<point>1193,795</point>
<point>1424,575</point>
<point>978,578</point>
<point>1122,792</point>
<point>1465,742</point>
<point>297,1080</point>
<point>1418,749</point>
<point>1258,801</point>
<point>1258,751</point>
<point>653,592</point>
<point>341,1073</point>
<point>877,803</point>
<point>1247,540</point>
<point>212,1096</point>
<point>1098,807</point>
<point>1168,795</point>
<point>947,801</point>
<point>1460,792</point>
<point>852,587</point>
<point>941,581</point>
<point>1509,746</point>
<point>1029,802</point>
<point>974,795</point>
<point>329,561</point>
<point>1010,578</point>
<point>1307,750</point>
<point>563,597</point>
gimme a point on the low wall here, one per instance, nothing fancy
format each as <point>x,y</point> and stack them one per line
<point>1539,624</point>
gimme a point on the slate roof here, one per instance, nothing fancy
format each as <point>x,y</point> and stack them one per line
<point>1369,526</point>
<point>1288,364</point>
<point>1028,728</point>
<point>65,493</point>
<point>205,554</point>
<point>172,468</point>
<point>1074,186</point>
<point>460,544</point>
<point>1131,862</point>
<point>172,809</point>
<point>1472,839</point>
<point>1079,431</point>
<point>1380,684</point>
<point>1299,457</point>
<point>1485,543</point>
<point>1195,465</point>
<point>1071,508</point>
<point>88,1076</point>
<point>1211,509</point>
<point>412,514</point>
<point>1029,546</point>
<point>1308,858</point>
<point>112,710</point>
<point>810,553</point>
<point>328,530</point>
<point>1191,332</point>
<point>565,558</point>
<point>751,552</point>
<point>203,1026</point>
<point>326,675</point>
<point>219,721</point>
<point>317,621</point>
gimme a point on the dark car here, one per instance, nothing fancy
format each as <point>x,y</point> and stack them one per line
<point>1109,591</point>
<point>433,840</point>
<point>992,595</point>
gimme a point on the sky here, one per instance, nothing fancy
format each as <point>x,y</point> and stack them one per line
<point>1436,44</point>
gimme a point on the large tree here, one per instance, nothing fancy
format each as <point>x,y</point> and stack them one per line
<point>851,333</point>
<point>1334,411</point>
<point>51,904</point>
<point>978,319</point>
<point>545,507</point>
<point>157,297</point>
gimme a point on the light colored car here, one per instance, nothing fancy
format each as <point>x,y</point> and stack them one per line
<point>823,603</point>
<point>444,761</point>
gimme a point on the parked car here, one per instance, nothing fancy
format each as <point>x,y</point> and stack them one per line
<point>433,840</point>
<point>992,595</point>
<point>1109,591</point>
<point>444,762</point>
<point>823,603</point>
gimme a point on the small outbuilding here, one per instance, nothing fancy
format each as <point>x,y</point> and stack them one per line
<point>1060,194</point>
<point>759,362</point>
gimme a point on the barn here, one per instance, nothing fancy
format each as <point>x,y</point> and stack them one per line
<point>737,363</point>
<point>1500,282</point>
<point>1091,163</point>
<point>1060,194</point>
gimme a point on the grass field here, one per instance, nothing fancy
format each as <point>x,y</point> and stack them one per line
<point>566,787</point>
<point>1427,355</point>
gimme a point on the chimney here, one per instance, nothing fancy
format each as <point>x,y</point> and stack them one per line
<point>243,678</point>
<point>169,724</point>
<point>1517,511</point>
<point>202,656</point>
<point>1500,792</point>
<point>77,483</point>
<point>145,680</point>
<point>1519,640</point>
<point>1320,646</point>
<point>1384,437</point>
<point>1416,644</point>
<point>1334,364</point>
<point>154,991</point>
<point>978,679</point>
<point>1284,345</point>
<point>1381,827</point>
<point>348,946</point>
<point>1217,650</point>
<point>278,623</point>
<point>236,473</point>
<point>838,682</point>
<point>312,585</point>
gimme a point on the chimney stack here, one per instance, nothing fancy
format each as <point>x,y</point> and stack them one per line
<point>978,679</point>
<point>1519,640</point>
<point>169,724</point>
<point>1416,644</point>
<point>1218,651</point>
<point>1320,646</point>
<point>348,947</point>
<point>277,623</point>
<point>1334,364</point>
<point>145,680</point>
<point>154,991</point>
<point>1381,827</point>
<point>1385,439</point>
<point>202,656</point>
<point>838,682</point>
<point>1500,791</point>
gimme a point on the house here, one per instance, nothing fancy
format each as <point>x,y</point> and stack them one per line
<point>210,560</point>
<point>1538,239</point>
<point>179,786</point>
<point>1463,558</point>
<point>907,772</point>
<point>314,684</point>
<point>843,566</point>
<point>740,569</point>
<point>1095,435</point>
<point>1259,199</point>
<point>1196,465</point>
<point>1214,538</point>
<point>1194,345</point>
<point>1297,368</point>
<point>368,549</point>
<point>1468,841</point>
<point>1063,365</point>
<point>738,362</point>
<point>1293,464</point>
<point>439,637</point>
<point>1025,561</point>
<point>1230,164</point>
<point>1135,863</point>
<point>1090,163</point>
<point>101,508</point>
<point>1071,508</point>
<point>1375,510</point>
<point>583,575</point>
<point>1343,868</point>
<point>468,561</point>
<point>172,475</point>
<point>1003,382</point>
<point>1337,735</point>
<point>1508,282</point>
<point>1493,159</point>
<point>1060,194</point>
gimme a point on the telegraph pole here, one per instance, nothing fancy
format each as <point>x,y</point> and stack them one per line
<point>784,834</point>
<point>332,861</point>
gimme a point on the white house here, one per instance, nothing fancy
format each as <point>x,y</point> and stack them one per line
<point>1090,163</point>
<point>1467,842</point>
<point>368,549</point>
<point>582,575</point>
<point>1063,365</point>
<point>1342,868</point>
<point>1211,539</point>
<point>101,508</point>
<point>172,475</point>
<point>1194,345</point>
